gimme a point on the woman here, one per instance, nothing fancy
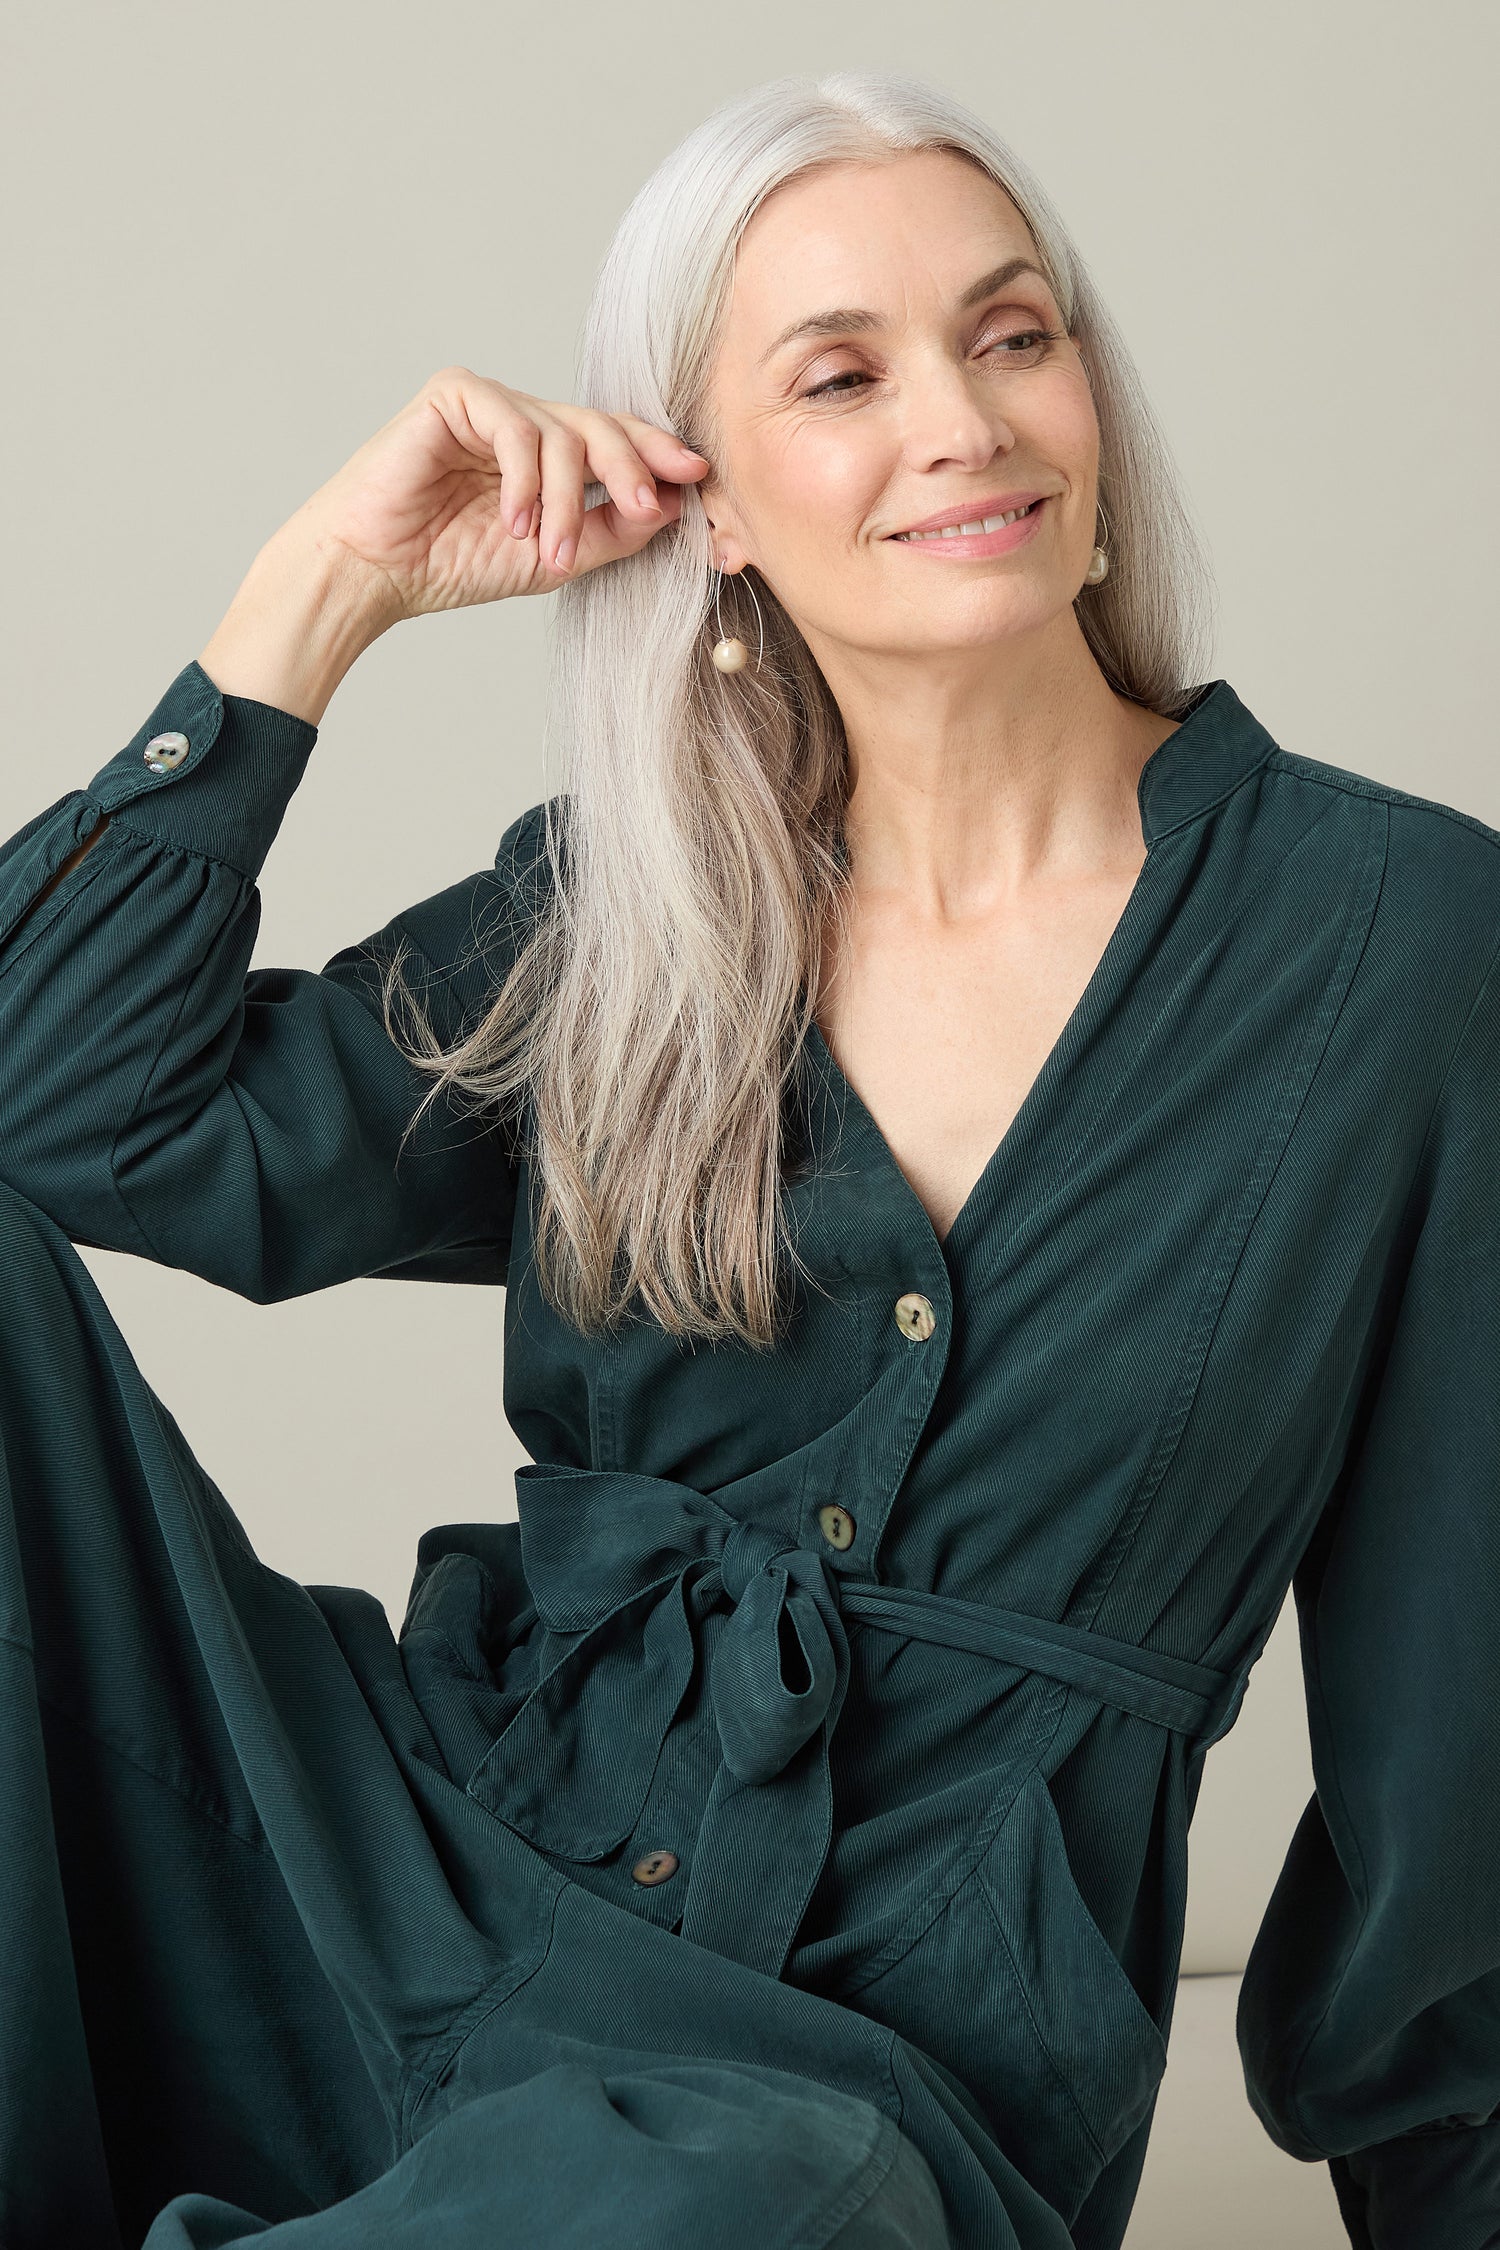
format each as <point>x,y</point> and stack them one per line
<point>990,1160</point>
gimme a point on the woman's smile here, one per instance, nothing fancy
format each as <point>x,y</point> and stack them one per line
<point>975,541</point>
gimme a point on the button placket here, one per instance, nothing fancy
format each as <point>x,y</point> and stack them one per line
<point>655,1867</point>
<point>837,1525</point>
<point>674,1807</point>
<point>872,1473</point>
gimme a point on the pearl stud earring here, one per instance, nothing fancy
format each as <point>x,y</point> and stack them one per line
<point>730,652</point>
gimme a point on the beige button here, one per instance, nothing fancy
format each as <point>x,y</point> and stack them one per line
<point>915,1316</point>
<point>655,1867</point>
<point>837,1525</point>
<point>164,751</point>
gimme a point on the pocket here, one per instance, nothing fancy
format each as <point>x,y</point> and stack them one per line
<point>1015,1990</point>
<point>462,1640</point>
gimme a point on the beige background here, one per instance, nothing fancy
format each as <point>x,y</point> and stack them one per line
<point>239,239</point>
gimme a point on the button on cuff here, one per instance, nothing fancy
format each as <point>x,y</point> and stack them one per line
<point>208,773</point>
<point>164,751</point>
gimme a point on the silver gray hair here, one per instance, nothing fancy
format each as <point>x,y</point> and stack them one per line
<point>653,1015</point>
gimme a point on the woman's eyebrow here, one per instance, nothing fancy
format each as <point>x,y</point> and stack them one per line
<point>842,321</point>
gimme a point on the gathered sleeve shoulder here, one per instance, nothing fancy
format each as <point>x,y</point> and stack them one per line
<point>1369,2011</point>
<point>160,1097</point>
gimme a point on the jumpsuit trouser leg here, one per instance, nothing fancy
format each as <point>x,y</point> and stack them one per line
<point>231,1925</point>
<point>164,2021</point>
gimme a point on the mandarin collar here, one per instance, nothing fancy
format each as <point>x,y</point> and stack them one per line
<point>1218,744</point>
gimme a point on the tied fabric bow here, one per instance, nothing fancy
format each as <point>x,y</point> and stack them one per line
<point>629,1571</point>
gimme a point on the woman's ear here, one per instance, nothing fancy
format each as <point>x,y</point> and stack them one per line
<point>728,552</point>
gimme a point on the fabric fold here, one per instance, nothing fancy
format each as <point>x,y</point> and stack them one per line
<point>626,1571</point>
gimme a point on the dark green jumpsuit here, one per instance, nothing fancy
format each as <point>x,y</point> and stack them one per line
<point>777,1839</point>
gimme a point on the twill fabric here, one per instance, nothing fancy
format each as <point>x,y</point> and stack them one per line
<point>894,1651</point>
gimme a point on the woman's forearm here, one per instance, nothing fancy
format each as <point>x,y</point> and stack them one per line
<point>300,619</point>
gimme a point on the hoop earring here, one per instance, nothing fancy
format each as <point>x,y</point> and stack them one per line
<point>1098,561</point>
<point>730,652</point>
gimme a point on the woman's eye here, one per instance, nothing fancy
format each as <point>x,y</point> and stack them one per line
<point>825,390</point>
<point>1028,338</point>
<point>1022,344</point>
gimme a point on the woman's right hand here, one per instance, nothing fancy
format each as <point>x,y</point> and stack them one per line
<point>474,492</point>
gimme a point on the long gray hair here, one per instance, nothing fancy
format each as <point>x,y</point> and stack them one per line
<point>694,860</point>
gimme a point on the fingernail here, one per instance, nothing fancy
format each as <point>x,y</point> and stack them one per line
<point>646,495</point>
<point>564,559</point>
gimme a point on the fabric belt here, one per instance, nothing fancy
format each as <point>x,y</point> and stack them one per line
<point>625,1572</point>
<point>1190,1698</point>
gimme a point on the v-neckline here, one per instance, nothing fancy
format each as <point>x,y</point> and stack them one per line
<point>1031,1115</point>
<point>1030,1118</point>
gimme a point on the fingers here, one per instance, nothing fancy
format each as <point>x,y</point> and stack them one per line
<point>608,536</point>
<point>546,451</point>
<point>660,451</point>
<point>564,464</point>
<point>581,445</point>
<point>491,422</point>
<point>517,449</point>
<point>665,463</point>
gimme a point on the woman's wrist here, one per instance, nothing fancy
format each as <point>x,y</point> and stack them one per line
<point>305,611</point>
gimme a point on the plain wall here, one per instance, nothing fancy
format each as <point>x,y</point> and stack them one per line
<point>239,239</point>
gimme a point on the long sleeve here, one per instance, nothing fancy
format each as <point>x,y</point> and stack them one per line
<point>1369,2014</point>
<point>160,1098</point>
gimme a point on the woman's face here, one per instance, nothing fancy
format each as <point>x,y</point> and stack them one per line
<point>923,386</point>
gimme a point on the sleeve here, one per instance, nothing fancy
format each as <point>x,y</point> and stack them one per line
<point>1369,2010</point>
<point>160,1098</point>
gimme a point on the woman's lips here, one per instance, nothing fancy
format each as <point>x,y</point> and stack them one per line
<point>975,546</point>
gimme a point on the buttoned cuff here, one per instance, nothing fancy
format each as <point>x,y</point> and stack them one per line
<point>208,773</point>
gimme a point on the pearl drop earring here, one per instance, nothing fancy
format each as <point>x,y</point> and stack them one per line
<point>730,652</point>
<point>1098,561</point>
